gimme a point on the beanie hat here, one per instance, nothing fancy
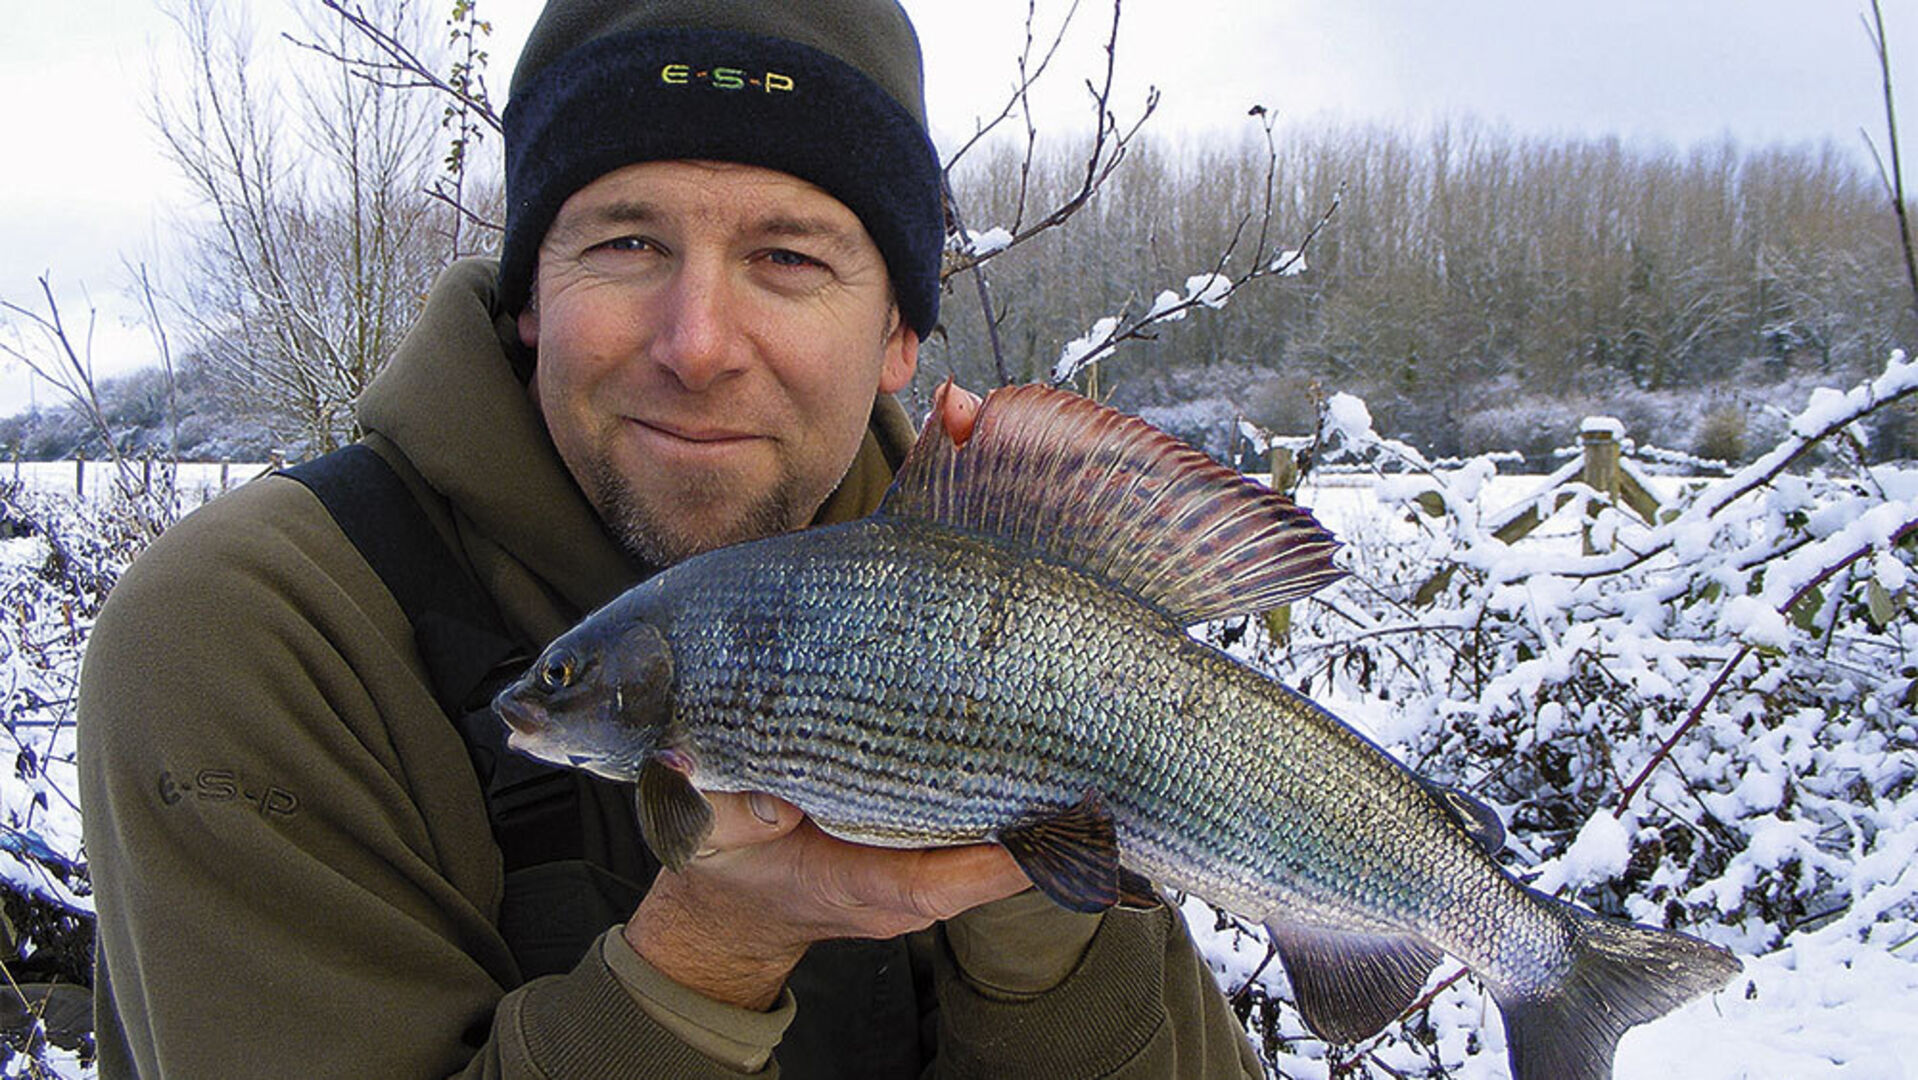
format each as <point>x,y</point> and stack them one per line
<point>830,91</point>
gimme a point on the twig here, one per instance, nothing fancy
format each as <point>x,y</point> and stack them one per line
<point>979,280</point>
<point>1875,30</point>
<point>1140,328</point>
<point>401,59</point>
<point>1239,995</point>
<point>1022,93</point>
<point>1109,148</point>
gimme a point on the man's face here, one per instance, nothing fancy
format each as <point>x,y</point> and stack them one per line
<point>711,337</point>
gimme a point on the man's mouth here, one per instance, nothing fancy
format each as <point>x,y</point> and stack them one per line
<point>697,434</point>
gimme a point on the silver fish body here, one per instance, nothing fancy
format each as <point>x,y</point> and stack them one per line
<point>912,686</point>
<point>911,681</point>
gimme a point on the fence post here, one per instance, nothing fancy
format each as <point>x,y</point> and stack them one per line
<point>1284,466</point>
<point>79,474</point>
<point>1601,440</point>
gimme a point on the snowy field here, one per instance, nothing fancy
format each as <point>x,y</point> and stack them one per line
<point>1707,724</point>
<point>197,480</point>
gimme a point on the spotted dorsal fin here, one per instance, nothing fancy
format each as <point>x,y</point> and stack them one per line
<point>1097,489</point>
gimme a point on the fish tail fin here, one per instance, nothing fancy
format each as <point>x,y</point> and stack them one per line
<point>1622,974</point>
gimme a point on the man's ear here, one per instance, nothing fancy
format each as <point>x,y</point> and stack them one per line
<point>529,325</point>
<point>902,357</point>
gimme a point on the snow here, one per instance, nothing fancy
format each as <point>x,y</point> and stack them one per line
<point>1779,810</point>
<point>1783,820</point>
<point>1082,350</point>
<point>1289,263</point>
<point>1212,290</point>
<point>1601,852</point>
<point>990,242</point>
<point>1348,416</point>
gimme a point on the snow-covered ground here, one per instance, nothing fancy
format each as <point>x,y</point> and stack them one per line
<point>1743,667</point>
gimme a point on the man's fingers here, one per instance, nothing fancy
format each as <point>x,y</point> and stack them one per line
<point>747,818</point>
<point>952,880</point>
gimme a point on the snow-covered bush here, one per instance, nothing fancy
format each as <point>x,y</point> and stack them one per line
<point>1707,725</point>
<point>58,559</point>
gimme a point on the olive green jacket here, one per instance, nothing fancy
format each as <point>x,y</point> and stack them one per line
<point>293,865</point>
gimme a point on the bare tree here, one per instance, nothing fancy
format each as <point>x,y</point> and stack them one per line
<point>317,237</point>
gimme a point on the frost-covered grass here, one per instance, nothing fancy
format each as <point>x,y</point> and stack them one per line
<point>1745,667</point>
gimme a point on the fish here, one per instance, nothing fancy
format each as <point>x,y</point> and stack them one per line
<point>1002,652</point>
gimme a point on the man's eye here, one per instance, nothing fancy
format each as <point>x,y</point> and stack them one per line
<point>626,243</point>
<point>783,257</point>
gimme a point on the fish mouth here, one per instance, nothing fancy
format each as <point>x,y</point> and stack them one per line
<point>522,718</point>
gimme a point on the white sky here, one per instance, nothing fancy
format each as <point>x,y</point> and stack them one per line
<point>85,188</point>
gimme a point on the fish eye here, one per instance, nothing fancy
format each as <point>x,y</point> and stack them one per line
<point>555,672</point>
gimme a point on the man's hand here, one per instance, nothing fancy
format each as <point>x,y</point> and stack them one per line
<point>735,921</point>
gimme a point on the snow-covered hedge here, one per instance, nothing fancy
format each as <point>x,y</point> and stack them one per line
<point>1707,725</point>
<point>58,558</point>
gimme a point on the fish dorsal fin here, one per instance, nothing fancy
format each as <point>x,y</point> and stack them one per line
<point>1112,495</point>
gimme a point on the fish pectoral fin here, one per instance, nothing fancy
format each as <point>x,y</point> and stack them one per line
<point>1072,855</point>
<point>1349,985</point>
<point>674,817</point>
<point>1137,893</point>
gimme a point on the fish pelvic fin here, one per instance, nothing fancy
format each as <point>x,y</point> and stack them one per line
<point>1073,856</point>
<point>1622,974</point>
<point>1349,986</point>
<point>1092,487</point>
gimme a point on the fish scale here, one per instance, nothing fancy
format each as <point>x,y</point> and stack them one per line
<point>1000,654</point>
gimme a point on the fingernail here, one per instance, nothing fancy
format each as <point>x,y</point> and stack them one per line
<point>763,808</point>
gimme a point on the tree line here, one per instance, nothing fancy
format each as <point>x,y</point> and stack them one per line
<point>1480,289</point>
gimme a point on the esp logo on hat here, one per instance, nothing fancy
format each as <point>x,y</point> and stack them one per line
<point>725,78</point>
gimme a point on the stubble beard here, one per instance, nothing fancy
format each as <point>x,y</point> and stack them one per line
<point>659,538</point>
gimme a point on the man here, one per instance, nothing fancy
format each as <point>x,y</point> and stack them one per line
<point>721,254</point>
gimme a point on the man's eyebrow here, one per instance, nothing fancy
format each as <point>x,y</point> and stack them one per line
<point>617,212</point>
<point>777,225</point>
<point>808,228</point>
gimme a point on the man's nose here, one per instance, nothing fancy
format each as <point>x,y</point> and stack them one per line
<point>698,338</point>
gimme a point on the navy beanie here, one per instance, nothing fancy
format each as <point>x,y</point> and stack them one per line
<point>830,91</point>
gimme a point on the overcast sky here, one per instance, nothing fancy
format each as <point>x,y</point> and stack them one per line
<point>85,188</point>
